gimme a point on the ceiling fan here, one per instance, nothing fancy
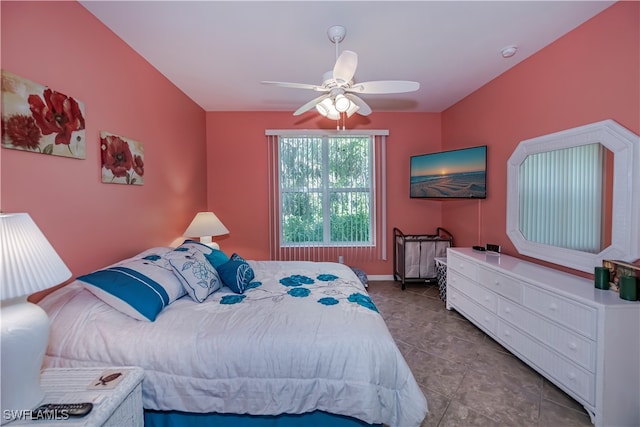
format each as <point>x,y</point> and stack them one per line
<point>340,90</point>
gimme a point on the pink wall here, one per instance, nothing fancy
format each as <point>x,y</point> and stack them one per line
<point>589,75</point>
<point>63,46</point>
<point>238,177</point>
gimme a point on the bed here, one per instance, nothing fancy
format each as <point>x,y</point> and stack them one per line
<point>302,339</point>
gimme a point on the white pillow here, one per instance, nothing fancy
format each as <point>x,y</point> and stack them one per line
<point>197,275</point>
<point>140,287</point>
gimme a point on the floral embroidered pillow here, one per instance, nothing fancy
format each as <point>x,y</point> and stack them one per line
<point>197,275</point>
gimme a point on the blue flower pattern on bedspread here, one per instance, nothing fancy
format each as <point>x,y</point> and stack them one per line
<point>152,258</point>
<point>328,301</point>
<point>327,277</point>
<point>252,285</point>
<point>299,292</point>
<point>328,291</point>
<point>296,280</point>
<point>232,299</point>
<point>363,300</point>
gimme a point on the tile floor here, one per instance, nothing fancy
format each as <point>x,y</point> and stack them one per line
<point>468,379</point>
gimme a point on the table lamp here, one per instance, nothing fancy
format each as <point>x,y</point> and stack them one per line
<point>205,225</point>
<point>28,264</point>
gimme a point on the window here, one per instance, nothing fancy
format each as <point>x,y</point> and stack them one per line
<point>326,193</point>
<point>325,197</point>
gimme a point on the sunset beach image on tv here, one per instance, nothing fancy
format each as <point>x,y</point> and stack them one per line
<point>450,174</point>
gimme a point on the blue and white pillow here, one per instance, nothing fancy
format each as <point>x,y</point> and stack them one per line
<point>215,256</point>
<point>236,274</point>
<point>196,273</point>
<point>138,287</point>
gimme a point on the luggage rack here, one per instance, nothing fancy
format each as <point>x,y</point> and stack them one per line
<point>414,255</point>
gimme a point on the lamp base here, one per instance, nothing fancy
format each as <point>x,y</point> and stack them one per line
<point>25,333</point>
<point>206,240</point>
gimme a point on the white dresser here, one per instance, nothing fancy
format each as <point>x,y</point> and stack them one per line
<point>584,340</point>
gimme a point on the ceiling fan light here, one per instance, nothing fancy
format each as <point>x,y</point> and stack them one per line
<point>342,103</point>
<point>352,109</point>
<point>333,114</point>
<point>324,107</point>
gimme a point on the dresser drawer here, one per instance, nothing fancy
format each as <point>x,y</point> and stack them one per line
<point>570,344</point>
<point>573,315</point>
<point>475,292</point>
<point>478,315</point>
<point>504,285</point>
<point>462,266</point>
<point>572,376</point>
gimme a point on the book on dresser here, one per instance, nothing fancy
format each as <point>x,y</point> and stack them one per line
<point>584,340</point>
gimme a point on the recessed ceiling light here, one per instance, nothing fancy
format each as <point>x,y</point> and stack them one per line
<point>509,51</point>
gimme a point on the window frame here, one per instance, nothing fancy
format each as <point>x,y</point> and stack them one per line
<point>326,191</point>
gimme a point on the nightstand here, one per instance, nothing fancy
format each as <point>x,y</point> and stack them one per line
<point>118,406</point>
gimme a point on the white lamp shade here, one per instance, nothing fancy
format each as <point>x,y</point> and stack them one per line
<point>205,224</point>
<point>28,262</point>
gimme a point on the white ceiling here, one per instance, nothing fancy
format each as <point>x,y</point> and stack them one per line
<point>217,52</point>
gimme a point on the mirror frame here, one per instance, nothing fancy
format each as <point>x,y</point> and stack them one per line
<point>625,217</point>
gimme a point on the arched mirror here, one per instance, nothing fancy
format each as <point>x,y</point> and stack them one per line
<point>573,197</point>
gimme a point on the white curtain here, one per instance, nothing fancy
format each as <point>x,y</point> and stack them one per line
<point>561,204</point>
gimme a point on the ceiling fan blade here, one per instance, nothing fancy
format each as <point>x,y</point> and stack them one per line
<point>309,105</point>
<point>385,86</point>
<point>345,67</point>
<point>364,109</point>
<point>295,85</point>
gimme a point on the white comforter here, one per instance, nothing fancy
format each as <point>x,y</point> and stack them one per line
<point>283,348</point>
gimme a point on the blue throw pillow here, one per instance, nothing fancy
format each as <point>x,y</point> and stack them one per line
<point>217,257</point>
<point>138,287</point>
<point>236,274</point>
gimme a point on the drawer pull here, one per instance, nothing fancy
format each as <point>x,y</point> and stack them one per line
<point>553,306</point>
<point>486,320</point>
<point>507,334</point>
<point>572,376</point>
<point>573,346</point>
<point>486,298</point>
<point>507,310</point>
<point>497,283</point>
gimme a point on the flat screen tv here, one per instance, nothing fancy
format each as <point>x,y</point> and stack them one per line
<point>456,174</point>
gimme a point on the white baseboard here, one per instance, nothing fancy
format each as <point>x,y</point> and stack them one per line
<point>379,277</point>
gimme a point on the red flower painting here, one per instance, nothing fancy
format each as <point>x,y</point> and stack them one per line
<point>39,119</point>
<point>22,131</point>
<point>122,159</point>
<point>58,114</point>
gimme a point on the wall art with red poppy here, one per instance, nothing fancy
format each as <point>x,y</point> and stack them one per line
<point>122,159</point>
<point>39,119</point>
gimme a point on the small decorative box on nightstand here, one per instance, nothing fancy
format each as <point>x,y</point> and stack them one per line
<point>116,403</point>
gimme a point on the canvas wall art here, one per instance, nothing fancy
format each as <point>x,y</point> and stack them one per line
<point>39,119</point>
<point>122,159</point>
